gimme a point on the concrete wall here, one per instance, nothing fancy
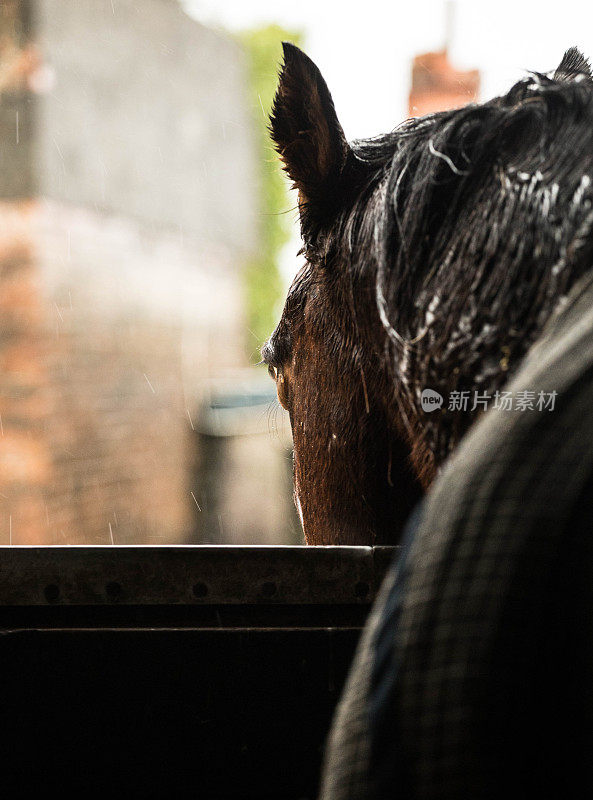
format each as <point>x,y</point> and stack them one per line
<point>142,111</point>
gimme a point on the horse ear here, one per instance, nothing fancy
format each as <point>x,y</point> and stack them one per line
<point>305,127</point>
<point>573,63</point>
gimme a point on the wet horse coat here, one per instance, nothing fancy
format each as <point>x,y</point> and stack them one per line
<point>434,256</point>
<point>454,254</point>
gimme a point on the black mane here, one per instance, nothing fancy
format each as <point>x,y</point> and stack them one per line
<point>479,220</point>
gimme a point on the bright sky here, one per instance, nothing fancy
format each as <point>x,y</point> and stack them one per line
<point>364,49</point>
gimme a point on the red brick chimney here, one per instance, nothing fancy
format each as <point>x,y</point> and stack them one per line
<point>437,85</point>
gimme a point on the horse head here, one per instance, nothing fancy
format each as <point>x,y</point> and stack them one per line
<point>434,255</point>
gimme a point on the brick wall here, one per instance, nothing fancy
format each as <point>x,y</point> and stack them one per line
<point>95,391</point>
<point>25,460</point>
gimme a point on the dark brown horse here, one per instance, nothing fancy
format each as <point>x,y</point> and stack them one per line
<point>434,255</point>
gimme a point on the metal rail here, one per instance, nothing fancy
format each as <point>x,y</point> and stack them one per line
<point>176,671</point>
<point>190,575</point>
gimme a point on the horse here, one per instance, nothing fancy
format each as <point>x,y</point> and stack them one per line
<point>434,256</point>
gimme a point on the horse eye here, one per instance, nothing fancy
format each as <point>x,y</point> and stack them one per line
<point>282,388</point>
<point>272,372</point>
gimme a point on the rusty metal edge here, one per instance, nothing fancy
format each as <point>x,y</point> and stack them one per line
<point>190,575</point>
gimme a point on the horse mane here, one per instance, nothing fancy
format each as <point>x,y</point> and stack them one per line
<point>480,220</point>
<point>471,226</point>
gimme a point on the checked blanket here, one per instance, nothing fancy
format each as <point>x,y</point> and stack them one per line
<point>474,675</point>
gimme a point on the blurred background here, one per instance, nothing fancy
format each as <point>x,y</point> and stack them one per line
<point>148,236</point>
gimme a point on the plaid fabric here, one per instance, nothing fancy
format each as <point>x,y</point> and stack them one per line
<point>488,690</point>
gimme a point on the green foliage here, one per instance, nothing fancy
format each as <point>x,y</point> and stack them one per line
<point>263,283</point>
